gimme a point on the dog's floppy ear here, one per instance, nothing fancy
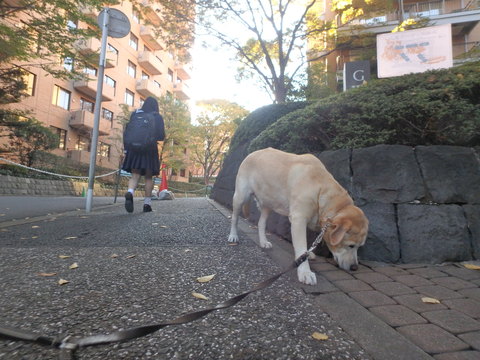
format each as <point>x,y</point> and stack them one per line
<point>338,232</point>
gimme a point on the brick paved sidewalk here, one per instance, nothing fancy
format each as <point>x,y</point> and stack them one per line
<point>381,306</point>
<point>393,294</point>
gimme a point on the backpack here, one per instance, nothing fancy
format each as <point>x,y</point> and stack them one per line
<point>139,134</point>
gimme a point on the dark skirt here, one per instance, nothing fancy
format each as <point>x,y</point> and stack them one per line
<point>142,161</point>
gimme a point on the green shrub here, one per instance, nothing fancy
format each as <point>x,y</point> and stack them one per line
<point>434,108</point>
<point>260,119</point>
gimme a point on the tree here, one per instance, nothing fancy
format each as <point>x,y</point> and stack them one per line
<point>25,137</point>
<point>216,124</point>
<point>273,53</point>
<point>176,117</point>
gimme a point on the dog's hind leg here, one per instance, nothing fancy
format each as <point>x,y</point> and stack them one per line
<point>239,198</point>
<point>262,225</point>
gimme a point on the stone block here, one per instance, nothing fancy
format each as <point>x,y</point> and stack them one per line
<point>472,338</point>
<point>382,241</point>
<point>451,173</point>
<point>472,212</point>
<point>459,355</point>
<point>433,234</point>
<point>397,315</point>
<point>432,339</point>
<point>338,164</point>
<point>393,288</point>
<point>453,321</point>
<point>371,298</point>
<point>469,307</point>
<point>386,173</point>
<point>454,283</point>
<point>438,292</point>
<point>352,285</point>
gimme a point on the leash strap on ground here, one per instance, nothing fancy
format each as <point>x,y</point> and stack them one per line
<point>68,345</point>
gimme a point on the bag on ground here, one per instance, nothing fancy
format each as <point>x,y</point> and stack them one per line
<point>140,132</point>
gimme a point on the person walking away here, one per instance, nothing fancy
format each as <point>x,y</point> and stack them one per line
<point>144,129</point>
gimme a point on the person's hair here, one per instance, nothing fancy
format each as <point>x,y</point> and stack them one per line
<point>150,105</point>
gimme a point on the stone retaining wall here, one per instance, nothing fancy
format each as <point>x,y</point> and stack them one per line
<point>423,203</point>
<point>11,185</point>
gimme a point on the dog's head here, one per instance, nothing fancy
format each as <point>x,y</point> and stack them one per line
<point>346,233</point>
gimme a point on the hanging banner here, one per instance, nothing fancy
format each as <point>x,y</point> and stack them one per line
<point>414,51</point>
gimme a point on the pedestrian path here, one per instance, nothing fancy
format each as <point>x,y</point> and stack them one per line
<point>381,306</point>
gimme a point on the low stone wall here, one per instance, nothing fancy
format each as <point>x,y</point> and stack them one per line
<point>11,185</point>
<point>423,203</point>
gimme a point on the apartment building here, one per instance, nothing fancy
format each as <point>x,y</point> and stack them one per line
<point>463,15</point>
<point>137,66</point>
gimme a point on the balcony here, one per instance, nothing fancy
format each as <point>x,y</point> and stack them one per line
<point>181,91</point>
<point>151,63</point>
<point>82,120</point>
<point>151,12</point>
<point>147,88</point>
<point>183,70</point>
<point>148,36</point>
<point>81,156</point>
<point>462,14</point>
<point>91,47</point>
<point>89,11</point>
<point>89,88</point>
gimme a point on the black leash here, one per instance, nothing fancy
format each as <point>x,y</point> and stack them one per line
<point>68,345</point>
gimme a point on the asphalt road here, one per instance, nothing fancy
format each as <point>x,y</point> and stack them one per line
<point>141,268</point>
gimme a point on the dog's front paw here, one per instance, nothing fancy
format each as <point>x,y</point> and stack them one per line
<point>307,277</point>
<point>233,238</point>
<point>266,244</point>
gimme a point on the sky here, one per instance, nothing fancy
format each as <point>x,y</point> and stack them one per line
<point>213,77</point>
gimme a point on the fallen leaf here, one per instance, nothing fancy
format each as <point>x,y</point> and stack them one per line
<point>35,226</point>
<point>114,256</point>
<point>429,300</point>
<point>34,237</point>
<point>70,237</point>
<point>2,214</point>
<point>130,256</point>
<point>163,226</point>
<point>63,282</point>
<point>204,279</point>
<point>23,238</point>
<point>233,243</point>
<point>73,266</point>
<point>46,274</point>
<point>199,296</point>
<point>188,250</point>
<point>319,336</point>
<point>154,223</point>
<point>472,266</point>
<point>64,256</point>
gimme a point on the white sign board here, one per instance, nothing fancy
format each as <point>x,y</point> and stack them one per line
<point>414,51</point>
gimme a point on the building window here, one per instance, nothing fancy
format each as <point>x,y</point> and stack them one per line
<point>62,137</point>
<point>90,71</point>
<point>135,17</point>
<point>133,41</point>
<point>170,75</point>
<point>68,63</point>
<point>61,97</point>
<point>82,143</point>
<point>86,105</point>
<point>107,114</point>
<point>110,82</point>
<point>157,84</point>
<point>29,80</point>
<point>104,150</point>
<point>145,76</point>
<point>129,97</point>
<point>182,172</point>
<point>132,69</point>
<point>112,54</point>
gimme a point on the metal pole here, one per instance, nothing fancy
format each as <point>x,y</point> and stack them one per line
<point>98,106</point>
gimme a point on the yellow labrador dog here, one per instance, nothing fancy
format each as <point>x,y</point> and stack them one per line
<point>300,187</point>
